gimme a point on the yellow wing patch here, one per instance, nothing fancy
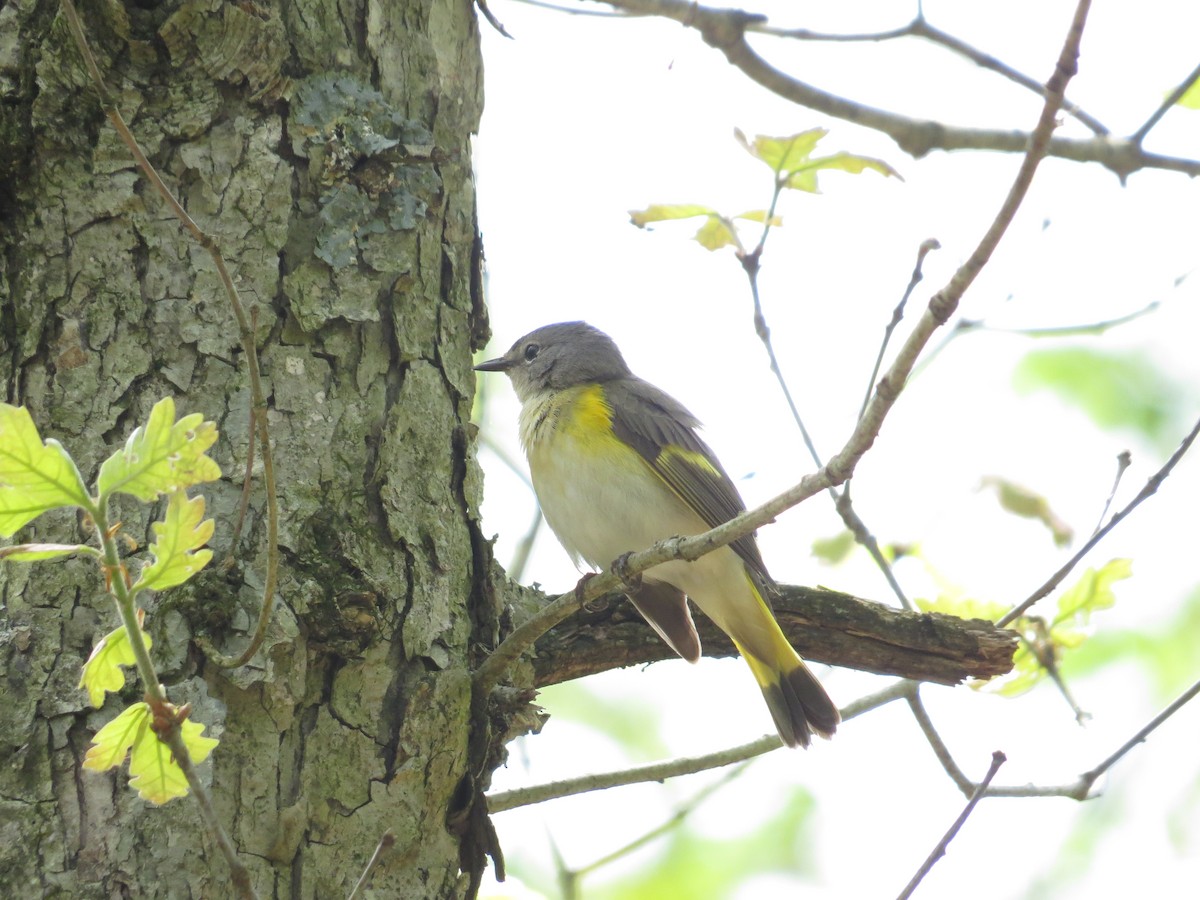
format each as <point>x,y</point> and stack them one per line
<point>674,454</point>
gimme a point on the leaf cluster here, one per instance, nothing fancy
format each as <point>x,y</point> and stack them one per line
<point>793,167</point>
<point>1043,641</point>
<point>164,456</point>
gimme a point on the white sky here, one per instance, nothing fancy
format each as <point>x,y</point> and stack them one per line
<point>589,118</point>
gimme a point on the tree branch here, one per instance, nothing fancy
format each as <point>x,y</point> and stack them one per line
<point>725,29</point>
<point>824,626</point>
<point>921,28</point>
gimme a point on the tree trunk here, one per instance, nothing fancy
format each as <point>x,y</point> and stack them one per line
<point>326,149</point>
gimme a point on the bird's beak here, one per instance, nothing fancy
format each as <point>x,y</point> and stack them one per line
<point>499,364</point>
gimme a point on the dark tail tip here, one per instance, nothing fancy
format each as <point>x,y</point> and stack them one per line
<point>800,707</point>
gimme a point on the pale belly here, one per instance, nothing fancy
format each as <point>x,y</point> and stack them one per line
<point>602,505</point>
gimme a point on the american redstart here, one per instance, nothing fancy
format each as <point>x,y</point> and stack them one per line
<point>617,466</point>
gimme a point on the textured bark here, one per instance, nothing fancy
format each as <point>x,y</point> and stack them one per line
<point>824,626</point>
<point>362,259</point>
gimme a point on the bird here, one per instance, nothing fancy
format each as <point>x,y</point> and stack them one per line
<point>617,465</point>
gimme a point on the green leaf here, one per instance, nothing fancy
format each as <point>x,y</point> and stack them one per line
<point>1092,591</point>
<point>1020,501</point>
<point>36,552</point>
<point>1025,675</point>
<point>111,744</point>
<point>805,178</point>
<point>162,456</point>
<point>154,773</point>
<point>1167,654</point>
<point>102,672</point>
<point>782,154</point>
<point>659,212</point>
<point>34,476</point>
<point>1118,390</point>
<point>760,216</point>
<point>790,158</point>
<point>833,550</point>
<point>715,234</point>
<point>176,544</point>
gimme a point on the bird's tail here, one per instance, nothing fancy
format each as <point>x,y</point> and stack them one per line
<point>798,702</point>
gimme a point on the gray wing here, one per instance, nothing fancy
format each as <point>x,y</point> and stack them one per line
<point>663,432</point>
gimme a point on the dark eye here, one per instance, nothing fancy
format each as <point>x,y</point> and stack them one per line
<point>531,350</point>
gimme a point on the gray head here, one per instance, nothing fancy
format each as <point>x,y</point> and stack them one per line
<point>559,356</point>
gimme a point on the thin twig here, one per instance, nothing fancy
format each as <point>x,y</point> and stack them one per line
<point>1151,486</point>
<point>674,821</point>
<point>567,883</point>
<point>235,537</point>
<point>660,771</point>
<point>385,844</point>
<point>245,333</point>
<point>918,274</point>
<point>921,28</point>
<point>940,750</point>
<point>491,18</point>
<point>841,499</point>
<point>750,265</point>
<point>866,538</point>
<point>1081,788</point>
<point>975,326</point>
<point>1084,328</point>
<point>1124,460</point>
<point>1089,777</point>
<point>520,558</point>
<point>687,765</point>
<point>939,851</point>
<point>1171,99</point>
<point>573,11</point>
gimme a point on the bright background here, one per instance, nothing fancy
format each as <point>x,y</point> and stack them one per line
<point>589,118</point>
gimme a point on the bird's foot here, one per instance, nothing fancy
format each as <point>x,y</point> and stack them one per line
<point>588,606</point>
<point>620,568</point>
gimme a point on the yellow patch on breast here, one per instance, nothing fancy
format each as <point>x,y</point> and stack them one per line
<point>588,417</point>
<point>580,414</point>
